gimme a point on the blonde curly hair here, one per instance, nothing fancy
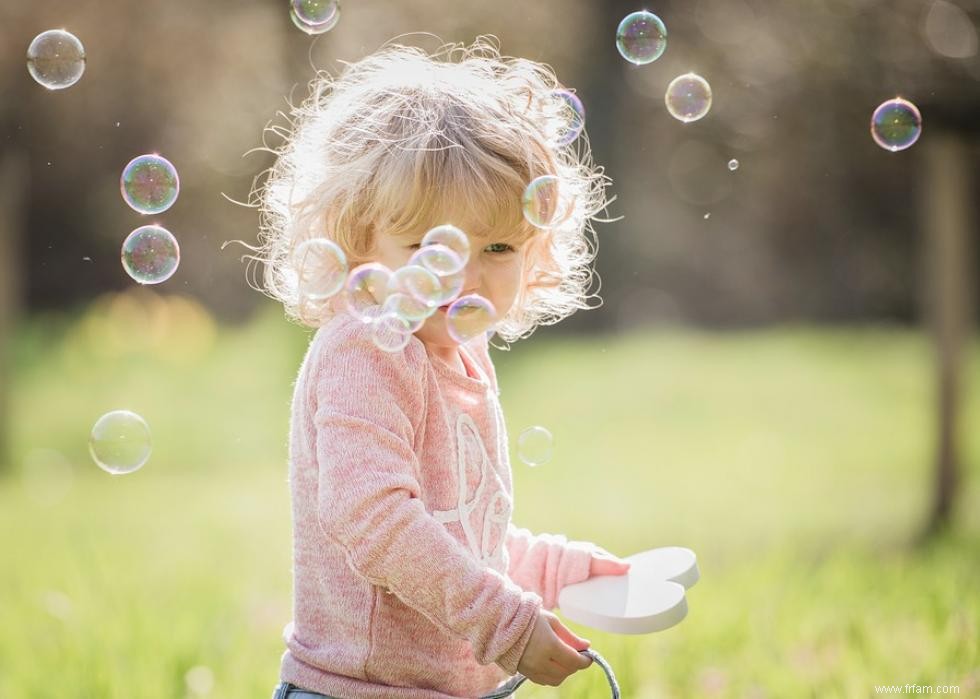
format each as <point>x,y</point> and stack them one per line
<point>402,141</point>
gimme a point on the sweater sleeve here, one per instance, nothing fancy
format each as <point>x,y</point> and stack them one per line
<point>369,406</point>
<point>545,563</point>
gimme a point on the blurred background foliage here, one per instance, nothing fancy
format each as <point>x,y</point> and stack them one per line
<point>782,375</point>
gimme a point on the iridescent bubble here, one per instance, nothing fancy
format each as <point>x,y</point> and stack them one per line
<point>450,287</point>
<point>412,293</point>
<point>120,442</point>
<point>535,445</point>
<point>453,238</point>
<point>316,8</point>
<point>315,11</point>
<point>469,316</point>
<point>321,268</point>
<point>438,259</point>
<point>56,59</point>
<point>366,289</point>
<point>417,282</point>
<point>150,254</point>
<point>688,97</point>
<point>573,112</point>
<point>395,303</point>
<point>390,332</point>
<point>545,204</point>
<point>896,124</point>
<point>149,184</point>
<point>733,165</point>
<point>641,37</point>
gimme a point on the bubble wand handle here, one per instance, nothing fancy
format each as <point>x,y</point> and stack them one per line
<point>505,690</point>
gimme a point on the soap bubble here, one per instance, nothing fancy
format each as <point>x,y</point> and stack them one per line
<point>896,124</point>
<point>150,254</point>
<point>396,303</point>
<point>453,238</point>
<point>321,268</point>
<point>450,286</point>
<point>120,442</point>
<point>534,446</point>
<point>574,115</point>
<point>438,259</point>
<point>314,16</point>
<point>417,282</point>
<point>149,184</point>
<point>390,332</point>
<point>641,37</point>
<point>56,59</point>
<point>366,289</point>
<point>315,11</point>
<point>469,316</point>
<point>545,204</point>
<point>688,97</point>
<point>413,292</point>
<point>733,165</point>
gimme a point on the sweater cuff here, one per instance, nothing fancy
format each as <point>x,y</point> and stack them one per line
<point>578,555</point>
<point>528,616</point>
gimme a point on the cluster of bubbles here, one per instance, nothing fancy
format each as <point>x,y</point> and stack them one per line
<point>56,59</point>
<point>314,16</point>
<point>396,303</point>
<point>535,446</point>
<point>149,184</point>
<point>120,442</point>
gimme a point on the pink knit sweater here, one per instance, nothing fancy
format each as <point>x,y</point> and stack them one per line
<point>409,579</point>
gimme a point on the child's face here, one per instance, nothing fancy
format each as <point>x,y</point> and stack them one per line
<point>494,271</point>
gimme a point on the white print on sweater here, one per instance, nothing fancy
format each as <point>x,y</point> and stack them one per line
<point>472,453</point>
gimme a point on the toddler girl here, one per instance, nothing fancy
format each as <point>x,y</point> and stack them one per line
<point>410,580</point>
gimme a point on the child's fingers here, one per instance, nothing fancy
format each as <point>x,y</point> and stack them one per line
<point>608,566</point>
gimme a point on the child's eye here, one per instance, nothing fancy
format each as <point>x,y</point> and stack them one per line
<point>415,246</point>
<point>498,248</point>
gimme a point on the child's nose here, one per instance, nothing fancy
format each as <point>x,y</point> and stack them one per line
<point>473,279</point>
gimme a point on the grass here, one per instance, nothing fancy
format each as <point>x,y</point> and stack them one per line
<point>794,461</point>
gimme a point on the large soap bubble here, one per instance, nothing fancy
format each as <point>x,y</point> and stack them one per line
<point>896,124</point>
<point>641,37</point>
<point>120,442</point>
<point>149,184</point>
<point>56,59</point>
<point>150,254</point>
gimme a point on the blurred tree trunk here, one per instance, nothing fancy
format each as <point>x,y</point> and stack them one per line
<point>946,226</point>
<point>13,193</point>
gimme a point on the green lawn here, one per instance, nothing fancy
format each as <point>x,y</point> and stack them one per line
<point>794,461</point>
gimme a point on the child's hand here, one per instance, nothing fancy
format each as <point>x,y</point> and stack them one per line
<point>604,563</point>
<point>552,653</point>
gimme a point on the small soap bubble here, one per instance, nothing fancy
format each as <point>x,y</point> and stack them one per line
<point>395,303</point>
<point>150,254</point>
<point>366,289</point>
<point>413,292</point>
<point>688,97</point>
<point>416,282</point>
<point>120,442</point>
<point>391,333</point>
<point>300,10</point>
<point>573,113</point>
<point>535,445</point>
<point>896,124</point>
<point>450,287</point>
<point>733,165</point>
<point>56,59</point>
<point>707,216</point>
<point>321,268</point>
<point>453,238</point>
<point>149,184</point>
<point>641,37</point>
<point>315,11</point>
<point>469,316</point>
<point>545,204</point>
<point>438,259</point>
